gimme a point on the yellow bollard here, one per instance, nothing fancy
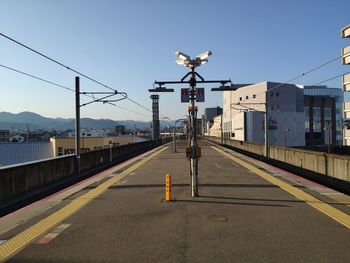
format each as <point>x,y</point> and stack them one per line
<point>168,188</point>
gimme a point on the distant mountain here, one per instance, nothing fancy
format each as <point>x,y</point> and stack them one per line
<point>35,121</point>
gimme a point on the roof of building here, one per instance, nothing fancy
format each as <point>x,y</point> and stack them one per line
<point>16,153</point>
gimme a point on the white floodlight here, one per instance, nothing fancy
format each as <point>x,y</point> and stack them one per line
<point>180,62</point>
<point>204,61</point>
<point>182,55</point>
<point>204,55</point>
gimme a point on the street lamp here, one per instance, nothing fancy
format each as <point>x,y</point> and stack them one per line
<point>193,151</point>
<point>187,61</point>
<point>174,137</point>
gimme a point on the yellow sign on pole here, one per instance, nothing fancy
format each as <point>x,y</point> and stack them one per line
<point>168,188</point>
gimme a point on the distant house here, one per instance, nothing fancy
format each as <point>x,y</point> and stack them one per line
<point>4,135</point>
<point>17,138</point>
<point>120,130</point>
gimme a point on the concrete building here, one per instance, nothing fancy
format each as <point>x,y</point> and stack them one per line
<point>209,115</point>
<point>323,115</point>
<point>89,133</point>
<point>215,129</point>
<point>288,108</point>
<point>4,135</point>
<point>64,146</point>
<point>119,130</point>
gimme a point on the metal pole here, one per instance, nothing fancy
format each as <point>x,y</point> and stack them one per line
<point>174,139</point>
<point>110,153</point>
<point>222,128</point>
<point>266,146</point>
<point>77,124</point>
<point>329,140</point>
<point>193,160</point>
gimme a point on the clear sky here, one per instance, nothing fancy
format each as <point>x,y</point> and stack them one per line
<point>129,44</point>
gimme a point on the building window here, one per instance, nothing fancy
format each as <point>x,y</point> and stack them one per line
<point>240,98</point>
<point>277,94</point>
<point>327,112</point>
<point>317,125</point>
<point>317,112</point>
<point>246,97</point>
<point>254,96</point>
<point>271,94</point>
<point>307,124</point>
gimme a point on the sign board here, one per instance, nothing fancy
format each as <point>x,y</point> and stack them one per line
<point>185,95</point>
<point>200,95</point>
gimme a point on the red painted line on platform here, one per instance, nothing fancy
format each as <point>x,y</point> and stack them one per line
<point>58,230</point>
<point>300,179</point>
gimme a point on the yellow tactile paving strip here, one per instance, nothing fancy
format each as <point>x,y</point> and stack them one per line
<point>15,244</point>
<point>327,209</point>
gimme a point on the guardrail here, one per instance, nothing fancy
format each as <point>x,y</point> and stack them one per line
<point>19,181</point>
<point>323,167</point>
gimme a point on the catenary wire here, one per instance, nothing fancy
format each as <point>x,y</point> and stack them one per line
<point>329,79</point>
<point>63,87</point>
<point>303,74</point>
<point>299,76</point>
<point>67,67</point>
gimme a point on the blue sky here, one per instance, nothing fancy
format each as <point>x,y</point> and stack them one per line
<point>129,44</point>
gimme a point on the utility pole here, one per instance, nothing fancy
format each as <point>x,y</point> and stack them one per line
<point>155,117</point>
<point>77,124</point>
<point>266,141</point>
<point>222,128</point>
<point>77,112</point>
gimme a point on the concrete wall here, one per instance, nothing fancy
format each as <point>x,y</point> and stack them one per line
<point>19,181</point>
<point>301,161</point>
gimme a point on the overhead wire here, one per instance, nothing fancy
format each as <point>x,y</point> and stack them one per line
<point>329,79</point>
<point>64,87</point>
<point>67,67</point>
<point>299,76</point>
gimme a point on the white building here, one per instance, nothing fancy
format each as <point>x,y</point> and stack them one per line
<point>90,133</point>
<point>215,129</point>
<point>297,115</point>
